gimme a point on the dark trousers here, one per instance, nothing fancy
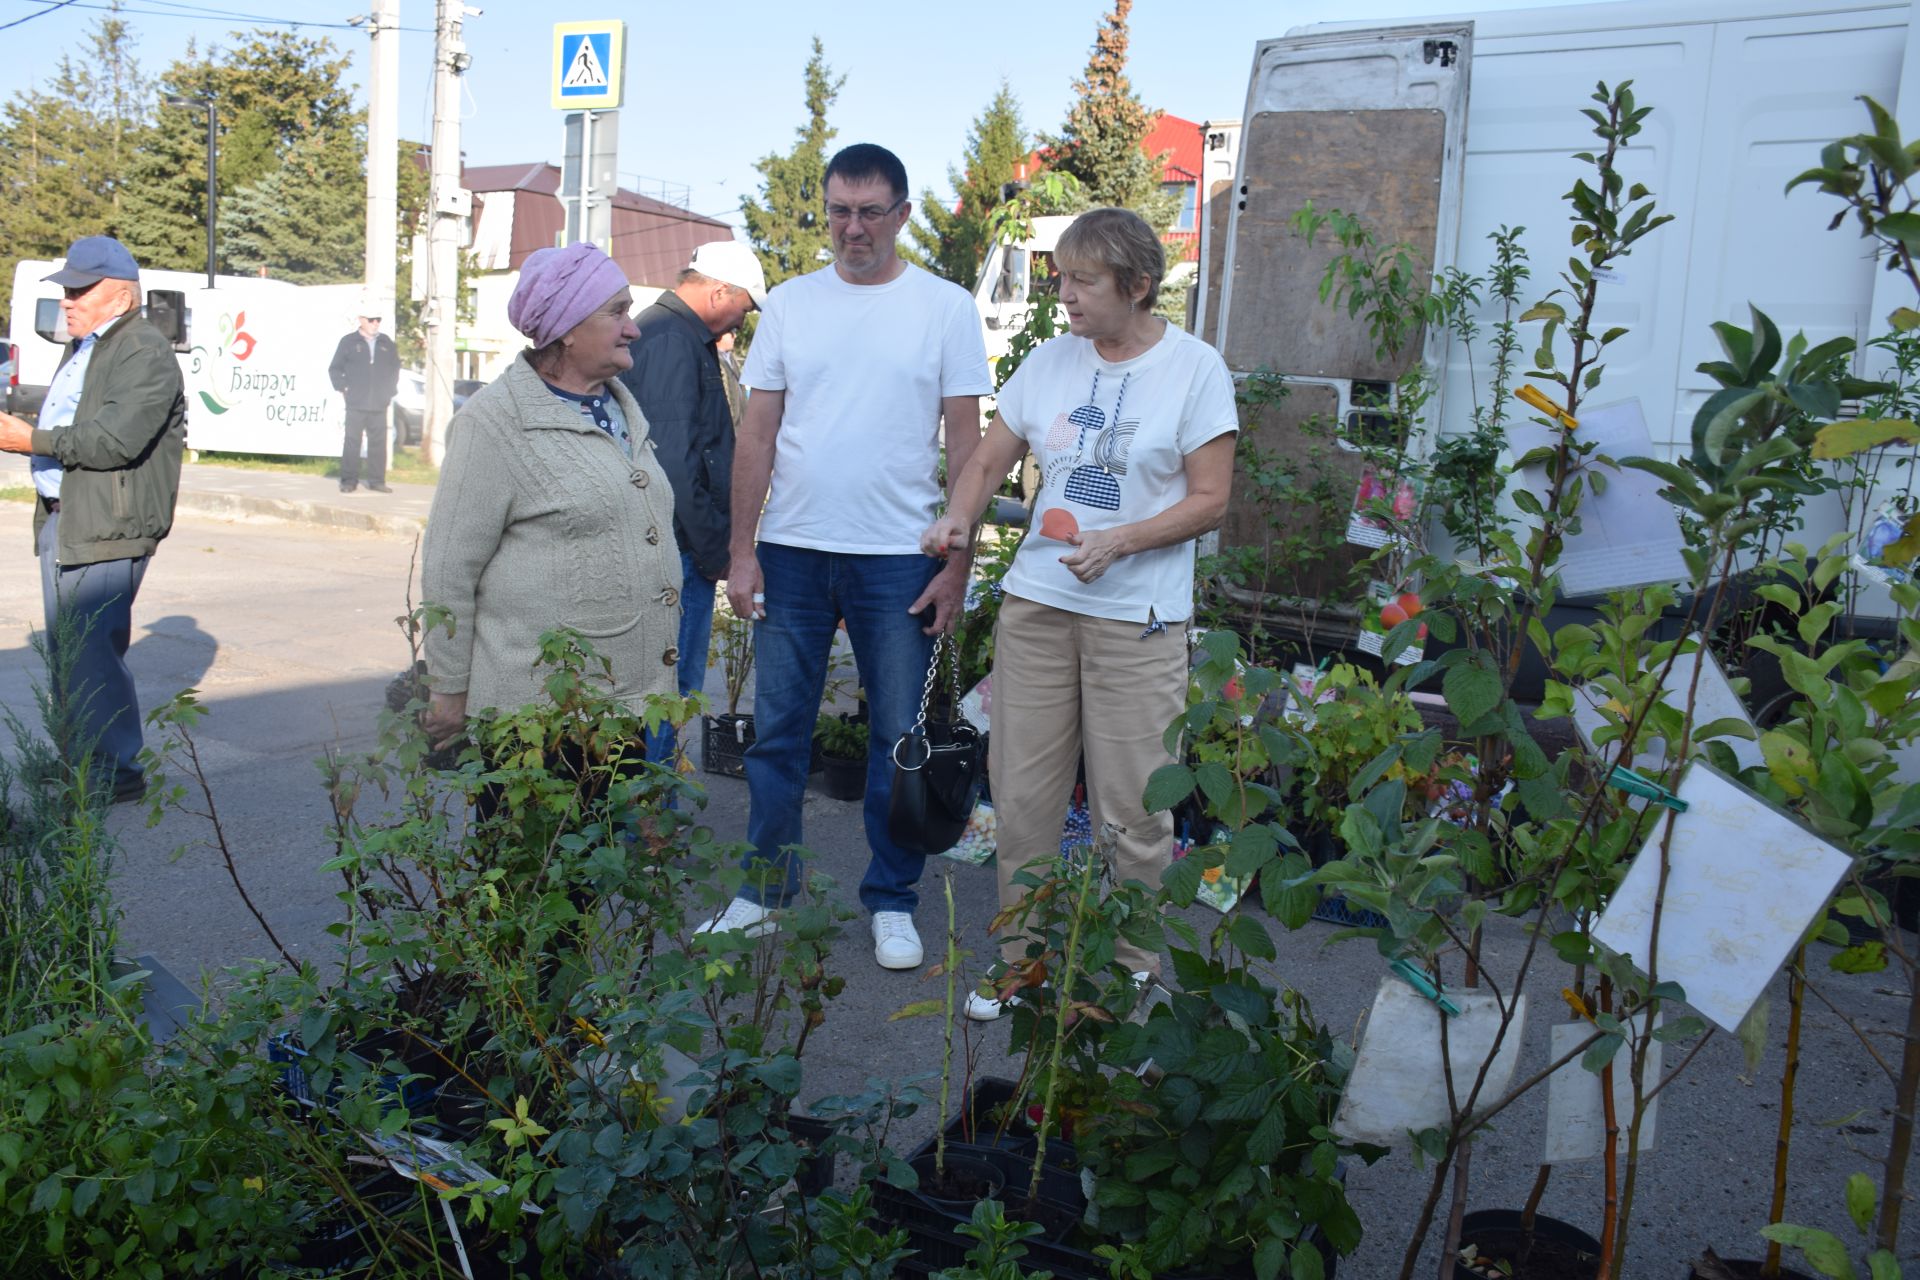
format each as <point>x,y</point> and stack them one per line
<point>89,614</point>
<point>370,424</point>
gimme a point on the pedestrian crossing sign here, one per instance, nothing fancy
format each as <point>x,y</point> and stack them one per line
<point>589,65</point>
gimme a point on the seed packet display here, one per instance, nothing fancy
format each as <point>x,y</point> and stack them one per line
<point>1382,504</point>
<point>1387,607</point>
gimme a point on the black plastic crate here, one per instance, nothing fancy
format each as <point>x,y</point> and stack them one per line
<point>1335,909</point>
<point>723,744</point>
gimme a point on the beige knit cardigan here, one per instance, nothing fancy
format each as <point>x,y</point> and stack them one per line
<point>539,521</point>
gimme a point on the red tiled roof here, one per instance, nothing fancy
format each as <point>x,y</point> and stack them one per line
<point>652,240</point>
<point>1181,140</point>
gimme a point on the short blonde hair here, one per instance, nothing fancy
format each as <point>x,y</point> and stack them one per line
<point>1120,241</point>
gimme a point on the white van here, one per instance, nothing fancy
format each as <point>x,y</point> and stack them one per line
<point>1442,132</point>
<point>254,358</point>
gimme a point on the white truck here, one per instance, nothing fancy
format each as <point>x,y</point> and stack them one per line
<point>254,355</point>
<point>1439,133</point>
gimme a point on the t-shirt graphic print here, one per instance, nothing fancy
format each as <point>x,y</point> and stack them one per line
<point>1111,441</point>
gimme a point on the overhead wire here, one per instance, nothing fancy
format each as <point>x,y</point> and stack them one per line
<point>39,14</point>
<point>196,12</point>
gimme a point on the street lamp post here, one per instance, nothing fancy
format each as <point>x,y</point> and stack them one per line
<point>205,104</point>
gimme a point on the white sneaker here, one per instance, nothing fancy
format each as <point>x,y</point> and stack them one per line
<point>984,1008</point>
<point>896,944</point>
<point>743,916</point>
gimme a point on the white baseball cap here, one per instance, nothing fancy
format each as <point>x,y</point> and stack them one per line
<point>731,262</point>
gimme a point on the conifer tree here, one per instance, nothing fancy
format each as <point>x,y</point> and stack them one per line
<point>65,150</point>
<point>951,240</point>
<point>1100,142</point>
<point>277,93</point>
<point>788,224</point>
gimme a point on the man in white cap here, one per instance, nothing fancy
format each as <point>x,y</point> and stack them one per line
<point>677,378</point>
<point>366,371</point>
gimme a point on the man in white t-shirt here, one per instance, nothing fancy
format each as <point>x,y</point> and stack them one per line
<point>852,369</point>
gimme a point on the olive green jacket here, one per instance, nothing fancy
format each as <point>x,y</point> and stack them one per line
<point>122,452</point>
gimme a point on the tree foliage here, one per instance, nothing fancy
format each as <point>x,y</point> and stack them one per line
<point>787,226</point>
<point>65,150</point>
<point>952,240</point>
<point>279,96</point>
<point>305,220</point>
<point>1100,143</point>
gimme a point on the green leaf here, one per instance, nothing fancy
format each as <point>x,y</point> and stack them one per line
<point>1857,435</point>
<point>1182,880</point>
<point>1860,1200</point>
<point>1471,690</point>
<point>918,1009</point>
<point>1865,957</point>
<point>1216,783</point>
<point>1269,1137</point>
<point>1307,1262</point>
<point>1882,1265</point>
<point>1815,622</point>
<point>1168,786</point>
<point>1245,933</point>
<point>1601,1052</point>
<point>1904,227</point>
<point>1824,1252</point>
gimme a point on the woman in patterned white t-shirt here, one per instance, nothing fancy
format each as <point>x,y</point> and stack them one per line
<point>1132,423</point>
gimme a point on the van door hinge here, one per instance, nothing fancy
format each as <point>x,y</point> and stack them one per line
<point>1445,50</point>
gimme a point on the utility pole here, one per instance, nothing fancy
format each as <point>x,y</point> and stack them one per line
<point>449,207</point>
<point>383,145</point>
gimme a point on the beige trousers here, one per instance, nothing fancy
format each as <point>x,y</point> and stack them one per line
<point>1063,684</point>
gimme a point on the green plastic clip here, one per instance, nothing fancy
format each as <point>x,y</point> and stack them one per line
<point>1646,788</point>
<point>1421,983</point>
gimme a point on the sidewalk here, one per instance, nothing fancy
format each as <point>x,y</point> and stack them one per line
<point>237,493</point>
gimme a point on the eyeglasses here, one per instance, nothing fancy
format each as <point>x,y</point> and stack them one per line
<point>868,214</point>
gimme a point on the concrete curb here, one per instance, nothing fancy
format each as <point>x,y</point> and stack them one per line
<point>326,515</point>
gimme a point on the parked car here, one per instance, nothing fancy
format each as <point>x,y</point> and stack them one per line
<point>410,404</point>
<point>20,400</point>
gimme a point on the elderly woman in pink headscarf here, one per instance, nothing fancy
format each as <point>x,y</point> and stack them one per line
<point>551,510</point>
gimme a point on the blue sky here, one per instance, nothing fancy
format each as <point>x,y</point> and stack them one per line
<point>712,87</point>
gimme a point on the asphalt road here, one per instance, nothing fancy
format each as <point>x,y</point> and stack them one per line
<point>288,632</point>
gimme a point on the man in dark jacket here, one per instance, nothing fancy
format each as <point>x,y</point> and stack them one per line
<point>366,370</point>
<point>677,378</point>
<point>107,470</point>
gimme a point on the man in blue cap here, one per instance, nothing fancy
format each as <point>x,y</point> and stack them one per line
<point>106,471</point>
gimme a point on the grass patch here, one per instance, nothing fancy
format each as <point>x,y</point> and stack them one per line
<point>406,465</point>
<point>16,493</point>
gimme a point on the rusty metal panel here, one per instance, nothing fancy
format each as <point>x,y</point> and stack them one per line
<point>1276,429</point>
<point>1384,167</point>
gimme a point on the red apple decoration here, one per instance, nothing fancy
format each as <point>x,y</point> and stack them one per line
<point>1058,523</point>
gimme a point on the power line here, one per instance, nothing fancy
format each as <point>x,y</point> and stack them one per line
<point>43,13</point>
<point>199,12</point>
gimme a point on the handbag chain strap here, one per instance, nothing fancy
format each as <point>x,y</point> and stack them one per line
<point>942,644</point>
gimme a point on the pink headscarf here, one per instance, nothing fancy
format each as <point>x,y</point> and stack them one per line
<point>561,287</point>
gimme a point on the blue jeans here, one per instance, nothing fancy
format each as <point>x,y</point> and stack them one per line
<point>696,632</point>
<point>91,686</point>
<point>808,593</point>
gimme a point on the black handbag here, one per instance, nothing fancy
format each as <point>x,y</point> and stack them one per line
<point>938,766</point>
